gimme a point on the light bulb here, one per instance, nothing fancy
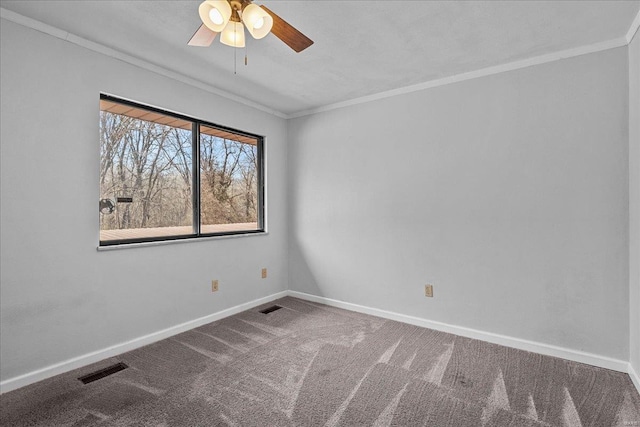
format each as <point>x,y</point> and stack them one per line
<point>258,21</point>
<point>216,16</point>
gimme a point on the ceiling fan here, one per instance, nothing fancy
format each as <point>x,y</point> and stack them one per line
<point>229,17</point>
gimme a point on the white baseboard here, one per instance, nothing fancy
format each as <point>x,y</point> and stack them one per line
<point>96,356</point>
<point>532,346</point>
<point>545,349</point>
<point>634,377</point>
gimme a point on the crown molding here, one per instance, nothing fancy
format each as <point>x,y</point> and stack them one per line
<point>633,29</point>
<point>502,68</point>
<point>99,48</point>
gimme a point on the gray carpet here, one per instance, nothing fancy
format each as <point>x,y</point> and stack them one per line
<point>312,365</point>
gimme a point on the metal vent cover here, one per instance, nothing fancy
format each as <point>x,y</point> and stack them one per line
<point>270,309</point>
<point>109,370</point>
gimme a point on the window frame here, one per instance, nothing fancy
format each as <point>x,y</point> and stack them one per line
<point>196,123</point>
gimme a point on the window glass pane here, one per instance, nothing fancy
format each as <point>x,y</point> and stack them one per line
<point>229,198</point>
<point>145,174</point>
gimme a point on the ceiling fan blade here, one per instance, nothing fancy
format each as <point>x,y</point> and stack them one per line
<point>289,35</point>
<point>202,37</point>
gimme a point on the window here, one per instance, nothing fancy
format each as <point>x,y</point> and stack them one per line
<point>164,176</point>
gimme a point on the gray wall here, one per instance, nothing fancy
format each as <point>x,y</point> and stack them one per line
<point>507,192</point>
<point>634,200</point>
<point>60,298</point>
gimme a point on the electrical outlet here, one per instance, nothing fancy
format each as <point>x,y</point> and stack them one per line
<point>428,291</point>
<point>214,286</point>
<point>264,273</point>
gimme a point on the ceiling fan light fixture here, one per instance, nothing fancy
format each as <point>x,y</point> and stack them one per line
<point>258,21</point>
<point>215,14</point>
<point>233,34</point>
<point>228,18</point>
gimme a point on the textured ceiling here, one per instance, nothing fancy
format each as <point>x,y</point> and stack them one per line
<point>361,47</point>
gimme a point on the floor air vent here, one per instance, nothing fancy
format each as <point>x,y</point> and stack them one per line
<point>110,370</point>
<point>270,309</point>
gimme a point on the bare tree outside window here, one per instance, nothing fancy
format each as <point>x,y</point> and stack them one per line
<point>228,182</point>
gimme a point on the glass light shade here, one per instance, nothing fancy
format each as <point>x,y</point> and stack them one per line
<point>258,21</point>
<point>233,34</point>
<point>215,14</point>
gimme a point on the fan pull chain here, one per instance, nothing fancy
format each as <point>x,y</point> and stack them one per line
<point>235,48</point>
